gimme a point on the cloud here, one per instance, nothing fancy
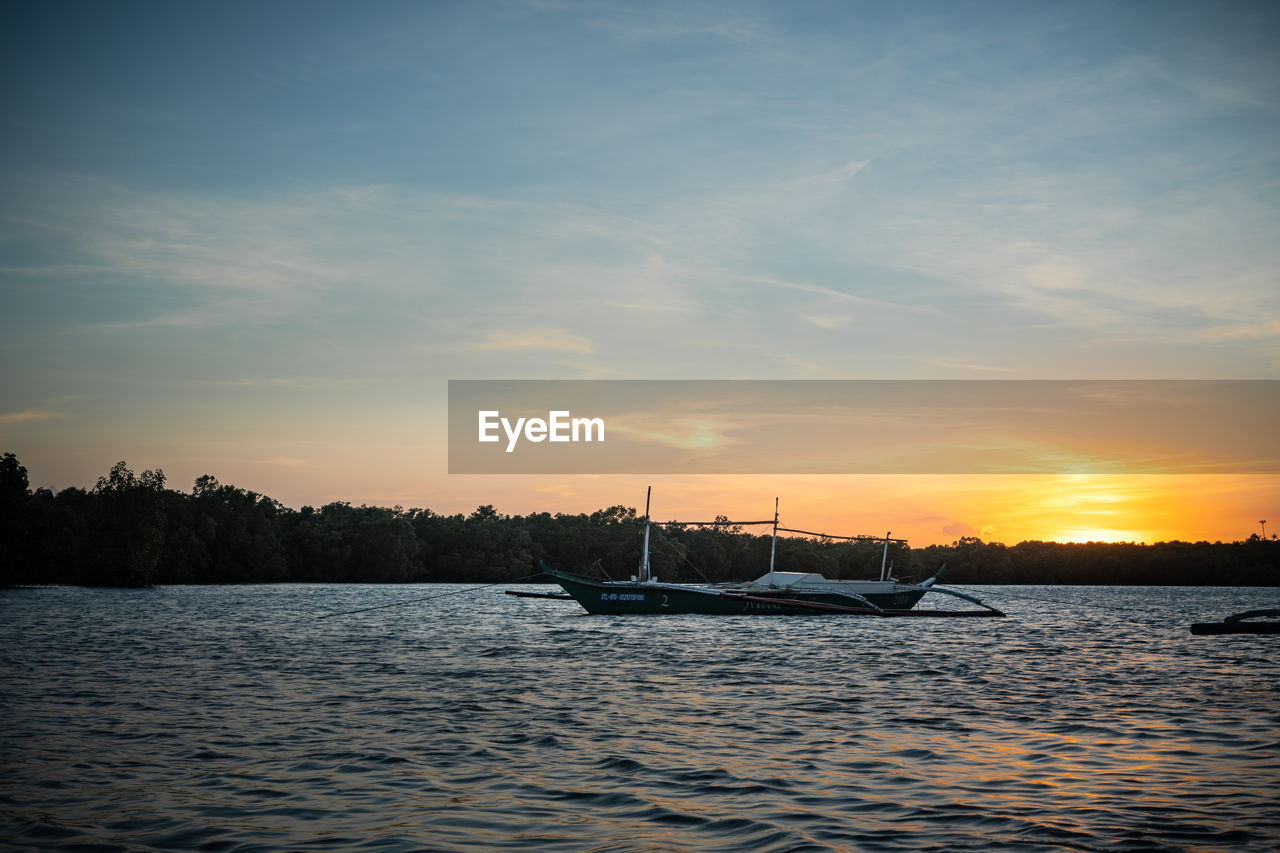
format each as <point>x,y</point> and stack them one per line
<point>951,364</point>
<point>830,292</point>
<point>680,433</point>
<point>631,25</point>
<point>981,214</point>
<point>8,418</point>
<point>557,340</point>
<point>649,306</point>
<point>842,174</point>
<point>308,382</point>
<point>1265,329</point>
<point>289,462</point>
<point>185,320</point>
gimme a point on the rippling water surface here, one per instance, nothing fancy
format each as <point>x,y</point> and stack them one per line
<point>231,718</point>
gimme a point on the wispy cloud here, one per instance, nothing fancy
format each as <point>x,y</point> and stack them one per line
<point>833,294</point>
<point>950,364</point>
<point>26,415</point>
<point>186,320</point>
<point>648,306</point>
<point>308,382</point>
<point>840,175</point>
<point>700,190</point>
<point>828,321</point>
<point>680,433</point>
<point>627,24</point>
<point>533,339</point>
<point>289,462</point>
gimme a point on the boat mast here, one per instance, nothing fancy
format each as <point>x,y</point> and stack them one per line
<point>885,559</point>
<point>644,555</point>
<point>774,546</point>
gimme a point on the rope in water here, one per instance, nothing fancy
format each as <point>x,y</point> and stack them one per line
<point>430,597</point>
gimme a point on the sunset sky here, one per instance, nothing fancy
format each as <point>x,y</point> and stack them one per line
<point>257,239</point>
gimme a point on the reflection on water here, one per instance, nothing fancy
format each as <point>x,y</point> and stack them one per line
<point>230,718</point>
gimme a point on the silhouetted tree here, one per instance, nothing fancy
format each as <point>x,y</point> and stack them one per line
<point>15,521</point>
<point>126,525</point>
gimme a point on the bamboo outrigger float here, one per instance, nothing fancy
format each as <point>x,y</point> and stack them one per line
<point>775,592</point>
<point>563,596</point>
<point>1240,624</point>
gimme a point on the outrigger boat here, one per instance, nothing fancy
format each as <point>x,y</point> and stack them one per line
<point>774,592</point>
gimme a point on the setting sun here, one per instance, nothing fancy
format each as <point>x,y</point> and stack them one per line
<point>1098,535</point>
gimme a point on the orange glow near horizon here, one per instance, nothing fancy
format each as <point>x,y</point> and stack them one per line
<point>921,508</point>
<point>398,463</point>
<point>1098,534</point>
<point>925,509</point>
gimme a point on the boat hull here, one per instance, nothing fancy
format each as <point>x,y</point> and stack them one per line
<point>636,598</point>
<point>1210,628</point>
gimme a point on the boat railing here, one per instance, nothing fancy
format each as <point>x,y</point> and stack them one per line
<point>861,537</point>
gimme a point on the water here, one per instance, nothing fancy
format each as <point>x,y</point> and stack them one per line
<point>231,719</point>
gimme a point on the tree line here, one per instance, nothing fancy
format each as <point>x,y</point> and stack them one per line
<point>130,530</point>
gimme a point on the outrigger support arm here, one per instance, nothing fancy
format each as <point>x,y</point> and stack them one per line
<point>976,601</point>
<point>863,599</point>
<point>930,582</point>
<point>1252,614</point>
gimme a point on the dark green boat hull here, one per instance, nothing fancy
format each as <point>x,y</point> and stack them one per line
<point>628,598</point>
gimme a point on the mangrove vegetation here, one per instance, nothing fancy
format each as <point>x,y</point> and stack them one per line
<point>131,530</point>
